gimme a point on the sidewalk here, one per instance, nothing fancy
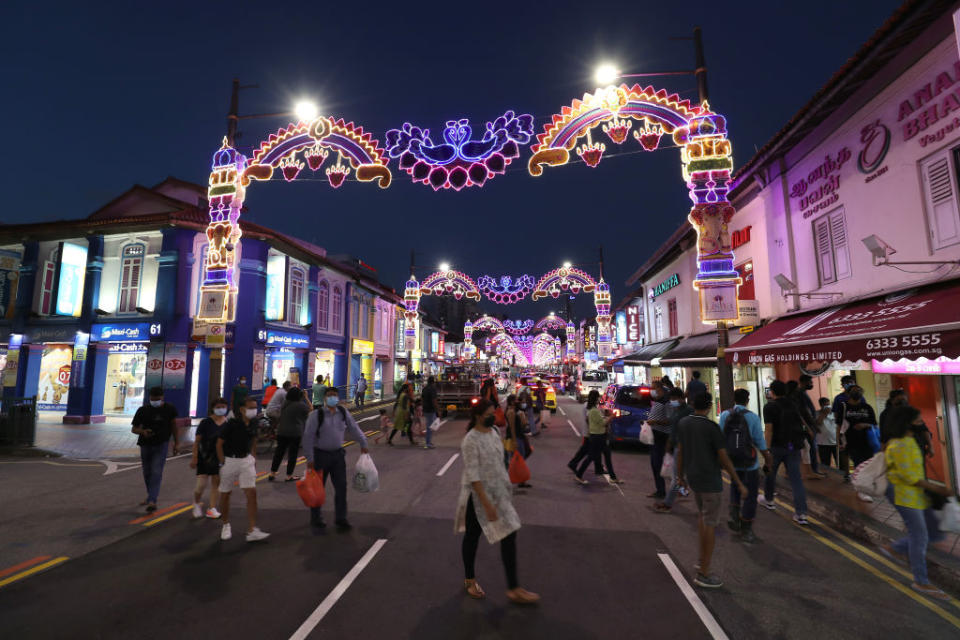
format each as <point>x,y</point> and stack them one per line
<point>835,503</point>
<point>113,438</point>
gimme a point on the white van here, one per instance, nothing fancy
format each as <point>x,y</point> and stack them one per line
<point>590,380</point>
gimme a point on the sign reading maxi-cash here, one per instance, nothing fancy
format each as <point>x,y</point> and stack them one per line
<point>284,339</point>
<point>126,332</point>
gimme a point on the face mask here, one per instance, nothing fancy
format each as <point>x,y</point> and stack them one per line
<point>523,405</point>
<point>243,382</point>
<point>674,403</point>
<point>847,386</point>
<point>156,403</point>
<point>251,413</point>
<point>488,422</point>
<point>332,401</point>
<point>220,411</point>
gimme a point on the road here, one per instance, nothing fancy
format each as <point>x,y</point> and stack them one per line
<point>78,560</point>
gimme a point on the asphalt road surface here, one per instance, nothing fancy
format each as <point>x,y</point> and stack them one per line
<point>78,559</point>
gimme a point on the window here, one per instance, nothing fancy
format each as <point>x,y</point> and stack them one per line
<point>323,305</point>
<point>672,313</point>
<point>638,397</point>
<point>658,321</point>
<point>296,314</point>
<point>747,291</point>
<point>355,312</point>
<point>940,192</point>
<point>47,278</point>
<point>131,273</point>
<point>337,311</point>
<point>830,240</point>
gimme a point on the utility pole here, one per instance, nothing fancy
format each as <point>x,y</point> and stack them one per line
<point>233,117</point>
<point>700,71</point>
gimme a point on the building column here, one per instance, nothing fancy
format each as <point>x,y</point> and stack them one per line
<point>28,377</point>
<point>85,402</point>
<point>251,294</point>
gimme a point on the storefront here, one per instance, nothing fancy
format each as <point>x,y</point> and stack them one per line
<point>907,340</point>
<point>362,361</point>
<point>127,363</point>
<point>284,355</point>
<point>53,387</point>
<point>324,364</point>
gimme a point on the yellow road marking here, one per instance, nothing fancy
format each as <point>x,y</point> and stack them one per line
<point>166,516</point>
<point>33,570</point>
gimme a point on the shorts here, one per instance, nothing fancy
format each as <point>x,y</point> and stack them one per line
<point>242,470</point>
<point>708,504</point>
<point>208,467</point>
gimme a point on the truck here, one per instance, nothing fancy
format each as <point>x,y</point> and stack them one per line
<point>458,387</point>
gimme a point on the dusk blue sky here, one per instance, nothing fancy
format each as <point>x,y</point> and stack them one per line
<point>100,96</point>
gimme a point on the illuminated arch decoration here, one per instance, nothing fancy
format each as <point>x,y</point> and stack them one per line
<point>489,323</point>
<point>504,345</point>
<point>545,349</point>
<point>518,327</point>
<point>707,163</point>
<point>231,173</point>
<point>450,282</point>
<point>459,160</point>
<point>506,290</point>
<point>564,279</point>
<point>551,322</point>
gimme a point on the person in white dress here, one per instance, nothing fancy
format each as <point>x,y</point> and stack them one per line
<point>485,483</point>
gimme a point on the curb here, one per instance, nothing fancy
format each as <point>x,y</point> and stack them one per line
<point>944,569</point>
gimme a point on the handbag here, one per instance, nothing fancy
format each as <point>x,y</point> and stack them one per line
<point>870,477</point>
<point>519,471</point>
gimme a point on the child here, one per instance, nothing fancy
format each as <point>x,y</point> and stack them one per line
<point>418,417</point>
<point>385,425</point>
<point>827,438</point>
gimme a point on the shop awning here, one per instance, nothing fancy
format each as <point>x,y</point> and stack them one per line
<point>645,354</point>
<point>693,351</point>
<point>916,323</point>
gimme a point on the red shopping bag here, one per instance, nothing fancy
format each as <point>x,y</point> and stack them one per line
<point>499,418</point>
<point>311,489</point>
<point>519,471</point>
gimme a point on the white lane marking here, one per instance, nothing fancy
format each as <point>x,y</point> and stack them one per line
<point>575,432</point>
<point>311,623</point>
<point>367,418</point>
<point>716,632</point>
<point>114,467</point>
<point>562,412</point>
<point>447,466</point>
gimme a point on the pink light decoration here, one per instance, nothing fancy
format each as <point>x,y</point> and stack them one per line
<point>617,130</point>
<point>315,157</point>
<point>336,175</point>
<point>291,168</point>
<point>591,153</point>
<point>649,136</point>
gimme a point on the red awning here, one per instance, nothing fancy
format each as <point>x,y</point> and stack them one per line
<point>916,323</point>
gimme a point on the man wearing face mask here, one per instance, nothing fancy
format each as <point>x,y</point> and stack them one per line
<point>323,439</point>
<point>859,417</point>
<point>238,396</point>
<point>659,421</point>
<point>809,413</point>
<point>236,449</point>
<point>155,423</point>
<point>838,403</point>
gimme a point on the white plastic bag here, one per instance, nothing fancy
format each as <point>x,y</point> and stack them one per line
<point>365,476</point>
<point>667,469</point>
<point>435,425</point>
<point>870,477</point>
<point>950,516</point>
<point>646,433</point>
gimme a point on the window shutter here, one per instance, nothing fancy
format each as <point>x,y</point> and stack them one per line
<point>841,251</point>
<point>939,189</point>
<point>133,299</point>
<point>821,237</point>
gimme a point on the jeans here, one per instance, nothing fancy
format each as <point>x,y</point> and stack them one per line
<point>782,455</point>
<point>508,549</point>
<point>583,452</point>
<point>429,417</point>
<point>922,528</point>
<point>533,421</point>
<point>828,453</point>
<point>333,465</point>
<point>358,399</point>
<point>814,463</point>
<point>751,479</point>
<point>656,460</point>
<point>598,447</point>
<point>153,457</point>
<point>284,444</point>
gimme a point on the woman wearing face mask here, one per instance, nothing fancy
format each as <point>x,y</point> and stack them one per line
<point>514,440</point>
<point>293,417</point>
<point>907,475</point>
<point>858,416</point>
<point>659,421</point>
<point>485,504</point>
<point>205,458</point>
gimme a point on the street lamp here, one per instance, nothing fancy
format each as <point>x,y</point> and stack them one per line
<point>306,110</point>
<point>444,266</point>
<point>567,265</point>
<point>606,74</point>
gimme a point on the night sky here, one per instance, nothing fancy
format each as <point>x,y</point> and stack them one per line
<point>100,96</point>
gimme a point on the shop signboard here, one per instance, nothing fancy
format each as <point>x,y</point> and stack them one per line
<point>126,332</point>
<point>256,383</point>
<point>363,347</point>
<point>718,302</point>
<point>128,347</point>
<point>284,339</point>
<point>216,335</point>
<point>9,277</point>
<point>60,333</point>
<point>749,313</point>
<point>921,366</point>
<point>80,346</point>
<point>666,285</point>
<point>154,372</point>
<point>175,366</point>
<point>13,360</point>
<point>434,342</point>
<point>276,270</point>
<point>633,323</point>
<point>73,269</point>
<point>621,327</point>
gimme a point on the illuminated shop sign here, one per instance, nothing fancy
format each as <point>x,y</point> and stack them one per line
<point>126,332</point>
<point>282,339</point>
<point>73,268</point>
<point>621,327</point>
<point>363,347</point>
<point>666,285</point>
<point>128,347</point>
<point>276,272</point>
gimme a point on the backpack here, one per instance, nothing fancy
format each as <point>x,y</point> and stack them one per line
<point>320,417</point>
<point>792,430</point>
<point>739,443</point>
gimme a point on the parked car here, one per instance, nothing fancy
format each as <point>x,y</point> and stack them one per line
<point>629,406</point>
<point>590,380</point>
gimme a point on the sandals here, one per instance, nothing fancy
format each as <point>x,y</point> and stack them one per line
<point>474,590</point>
<point>522,596</point>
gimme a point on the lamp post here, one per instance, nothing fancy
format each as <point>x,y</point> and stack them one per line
<point>302,110</point>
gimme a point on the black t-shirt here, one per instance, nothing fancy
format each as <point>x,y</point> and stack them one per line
<point>429,396</point>
<point>157,419</point>
<point>207,433</point>
<point>856,414</point>
<point>700,441</point>
<point>237,437</point>
<point>773,413</point>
